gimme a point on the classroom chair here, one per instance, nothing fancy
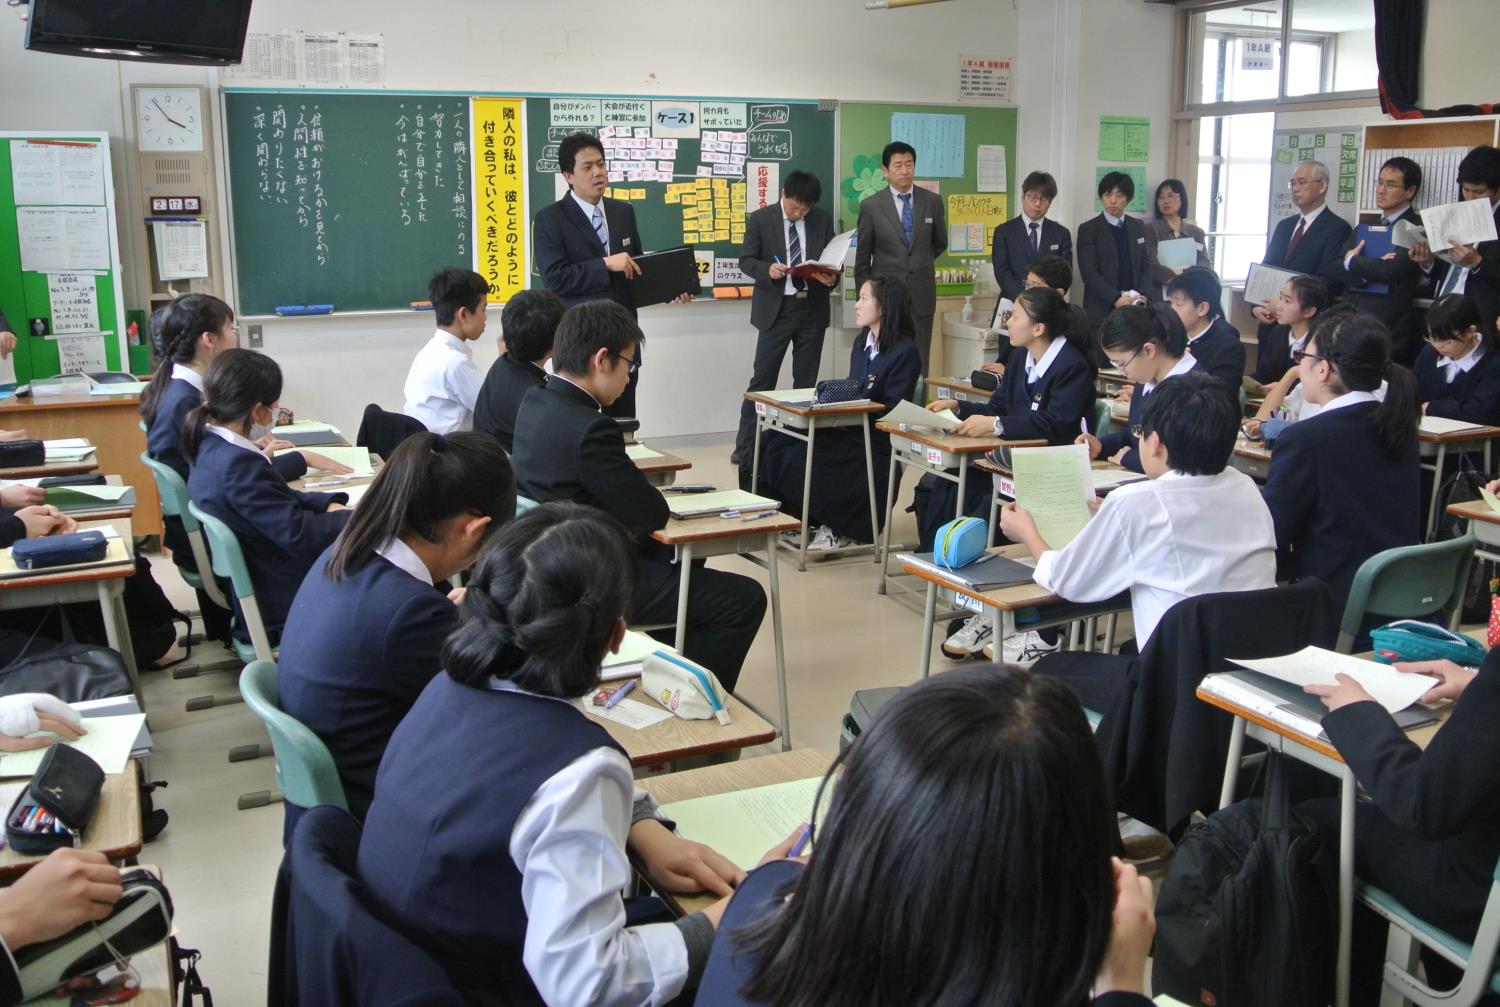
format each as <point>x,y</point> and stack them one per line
<point>524,504</point>
<point>381,431</point>
<point>305,772</point>
<point>1406,936</point>
<point>1409,582</point>
<point>327,945</point>
<point>1104,423</point>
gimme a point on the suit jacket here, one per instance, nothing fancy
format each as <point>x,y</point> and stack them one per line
<point>1049,407</point>
<point>882,248</point>
<point>1394,307</point>
<point>1483,284</point>
<point>1321,250</point>
<point>765,240</point>
<point>1220,353</point>
<point>1337,498</point>
<point>507,382</point>
<point>1011,251</point>
<point>1158,231</point>
<point>1099,265</point>
<point>1473,396</point>
<point>570,257</point>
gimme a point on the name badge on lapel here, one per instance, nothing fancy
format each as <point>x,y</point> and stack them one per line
<point>928,220</point>
<point>625,242</point>
<point>1053,247</point>
<point>1140,241</point>
<point>870,382</point>
<point>1036,402</point>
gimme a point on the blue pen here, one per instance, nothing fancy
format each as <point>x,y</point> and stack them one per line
<point>801,844</point>
<point>619,694</point>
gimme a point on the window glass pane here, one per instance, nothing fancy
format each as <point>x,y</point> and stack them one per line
<point>1241,52</point>
<point>1333,47</point>
<point>1234,156</point>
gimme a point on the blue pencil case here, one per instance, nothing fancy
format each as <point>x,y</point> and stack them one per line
<point>60,550</point>
<point>1410,640</point>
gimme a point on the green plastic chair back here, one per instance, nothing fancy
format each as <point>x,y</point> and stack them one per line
<point>524,504</point>
<point>1477,960</point>
<point>229,562</point>
<point>174,503</point>
<point>1409,582</point>
<point>1103,422</point>
<point>919,391</point>
<point>305,772</point>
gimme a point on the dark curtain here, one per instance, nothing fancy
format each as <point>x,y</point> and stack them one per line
<point>1398,54</point>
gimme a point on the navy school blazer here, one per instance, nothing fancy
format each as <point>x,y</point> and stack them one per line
<point>1473,396</point>
<point>505,385</point>
<point>1049,408</point>
<point>889,378</point>
<point>1219,352</point>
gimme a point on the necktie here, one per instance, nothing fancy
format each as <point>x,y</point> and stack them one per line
<point>794,253</point>
<point>1291,246</point>
<point>1036,238</point>
<point>599,228</point>
<point>1455,281</point>
<point>905,198</point>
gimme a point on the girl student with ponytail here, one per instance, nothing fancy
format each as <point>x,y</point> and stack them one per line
<point>281,530</point>
<point>1147,344</point>
<point>1344,484</point>
<point>502,815</point>
<point>366,630</point>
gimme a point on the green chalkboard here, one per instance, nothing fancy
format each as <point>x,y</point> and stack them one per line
<point>346,199</point>
<point>730,149</point>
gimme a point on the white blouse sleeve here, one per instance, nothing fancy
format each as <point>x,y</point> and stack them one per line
<point>1097,564</point>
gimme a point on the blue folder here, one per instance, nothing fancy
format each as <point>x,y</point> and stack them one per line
<point>1378,243</point>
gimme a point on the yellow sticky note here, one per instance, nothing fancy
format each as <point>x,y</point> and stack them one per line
<point>721,183</point>
<point>673,197</point>
<point>637,193</point>
<point>689,199</point>
<point>689,214</point>
<point>722,234</point>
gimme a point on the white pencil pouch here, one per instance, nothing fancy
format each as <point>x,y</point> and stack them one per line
<point>689,690</point>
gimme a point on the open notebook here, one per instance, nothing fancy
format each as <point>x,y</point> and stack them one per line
<point>729,503</point>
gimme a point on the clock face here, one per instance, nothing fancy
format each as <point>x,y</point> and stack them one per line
<point>169,118</point>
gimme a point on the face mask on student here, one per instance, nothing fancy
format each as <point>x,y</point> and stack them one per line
<point>258,430</point>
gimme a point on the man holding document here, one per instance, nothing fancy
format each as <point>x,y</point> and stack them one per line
<point>1474,269</point>
<point>1380,276</point>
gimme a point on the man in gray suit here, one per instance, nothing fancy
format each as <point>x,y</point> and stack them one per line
<point>901,233</point>
<point>785,309</point>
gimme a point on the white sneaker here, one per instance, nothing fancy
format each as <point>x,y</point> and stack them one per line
<point>792,538</point>
<point>970,638</point>
<point>1024,649</point>
<point>823,540</point>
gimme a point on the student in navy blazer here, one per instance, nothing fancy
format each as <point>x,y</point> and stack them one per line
<point>992,765</point>
<point>1047,393</point>
<point>1195,295</point>
<point>281,531</point>
<point>1458,371</point>
<point>527,325</point>
<point>1313,240</point>
<point>368,624</point>
<point>1029,236</point>
<point>885,363</point>
<point>1147,345</point>
<point>1112,252</point>
<point>1344,484</point>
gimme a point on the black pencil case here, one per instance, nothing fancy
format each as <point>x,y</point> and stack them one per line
<point>81,479</point>
<point>984,380</point>
<point>66,786</point>
<point>22,454</point>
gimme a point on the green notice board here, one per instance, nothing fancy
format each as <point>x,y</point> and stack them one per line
<point>348,199</point>
<point>967,153</point>
<point>692,168</point>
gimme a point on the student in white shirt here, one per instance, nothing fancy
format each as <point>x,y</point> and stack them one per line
<point>1196,527</point>
<point>443,383</point>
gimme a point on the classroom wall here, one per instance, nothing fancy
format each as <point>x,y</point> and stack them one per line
<point>1458,54</point>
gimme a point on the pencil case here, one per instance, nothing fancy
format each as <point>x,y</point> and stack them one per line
<point>81,479</point>
<point>985,381</point>
<point>687,689</point>
<point>59,550</point>
<point>22,454</point>
<point>56,806</point>
<point>1410,640</point>
<point>960,542</point>
<point>838,390</point>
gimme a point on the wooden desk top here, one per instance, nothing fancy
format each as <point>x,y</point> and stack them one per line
<point>1474,510</point>
<point>1006,599</point>
<point>1460,436</point>
<point>115,829</point>
<point>675,738</point>
<point>1110,376</point>
<point>43,403</point>
<point>666,463</point>
<point>106,511</point>
<point>1422,736</point>
<point>783,767</point>
<point>1252,449</point>
<point>51,469</point>
<point>953,443</point>
<point>700,529</point>
<point>111,571</point>
<point>1098,465</point>
<point>833,409</point>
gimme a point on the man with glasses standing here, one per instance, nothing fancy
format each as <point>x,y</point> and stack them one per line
<point>1398,276</point>
<point>1029,236</point>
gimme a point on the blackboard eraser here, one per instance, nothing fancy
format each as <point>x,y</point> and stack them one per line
<point>292,310</point>
<point>420,305</point>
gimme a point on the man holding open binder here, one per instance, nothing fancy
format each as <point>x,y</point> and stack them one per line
<point>1380,277</point>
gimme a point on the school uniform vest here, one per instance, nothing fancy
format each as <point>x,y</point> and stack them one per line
<point>1124,272</point>
<point>435,854</point>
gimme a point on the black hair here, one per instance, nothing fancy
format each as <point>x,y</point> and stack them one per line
<point>1117,180</point>
<point>1040,181</point>
<point>544,601</point>
<point>428,480</point>
<point>529,323</point>
<point>896,320</point>
<point>1129,329</point>
<point>1175,184</point>
<point>1311,292</point>
<point>803,186</point>
<point>175,329</point>
<point>1481,166</point>
<point>1054,271</point>
<point>1452,315</point>
<point>1047,306</point>
<point>452,288</point>
<point>1411,171</point>
<point>235,383</point>
<point>589,327</point>
<point>1201,284</point>
<point>896,147</point>
<point>1197,418</point>
<point>1357,346</point>
<point>978,800</point>
<point>567,151</point>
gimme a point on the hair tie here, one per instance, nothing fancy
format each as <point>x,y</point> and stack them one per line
<point>439,443</point>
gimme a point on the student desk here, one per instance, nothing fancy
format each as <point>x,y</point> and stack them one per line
<point>106,510</point>
<point>998,601</point>
<point>1435,446</point>
<point>300,485</point>
<point>1321,755</point>
<point>1484,523</point>
<point>958,389</point>
<point>773,412</point>
<point>51,469</point>
<point>662,471</point>
<point>1111,380</point>
<point>115,829</point>
<point>675,738</point>
<point>784,767</point>
<point>926,450</point>
<point>110,422</point>
<point>704,537</point>
<point>1252,458</point>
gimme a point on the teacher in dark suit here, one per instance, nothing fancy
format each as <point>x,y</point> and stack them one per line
<point>1029,236</point>
<point>584,244</point>
<point>1475,269</point>
<point>1112,253</point>
<point>783,309</point>
<point>901,233</point>
<point>1395,191</point>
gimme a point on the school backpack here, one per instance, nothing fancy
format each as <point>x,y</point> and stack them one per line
<point>1245,917</point>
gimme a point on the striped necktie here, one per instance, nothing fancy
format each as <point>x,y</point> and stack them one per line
<point>905,198</point>
<point>600,229</point>
<point>794,252</point>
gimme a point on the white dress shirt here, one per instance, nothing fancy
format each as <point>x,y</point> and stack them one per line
<point>1453,368</point>
<point>443,384</point>
<point>1113,220</point>
<point>1348,399</point>
<point>1173,537</point>
<point>1186,363</point>
<point>238,440</point>
<point>872,345</point>
<point>1308,218</point>
<point>912,192</point>
<point>1034,371</point>
<point>787,227</point>
<point>589,209</point>
<point>404,558</point>
<point>182,372</point>
<point>569,845</point>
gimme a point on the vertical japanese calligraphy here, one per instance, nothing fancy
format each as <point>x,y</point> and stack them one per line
<point>499,186</point>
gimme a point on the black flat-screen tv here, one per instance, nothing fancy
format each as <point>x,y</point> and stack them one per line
<point>202,32</point>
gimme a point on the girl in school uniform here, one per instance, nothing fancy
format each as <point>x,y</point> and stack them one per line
<point>498,836</point>
<point>1344,485</point>
<point>885,362</point>
<point>1148,345</point>
<point>366,629</point>
<point>1046,393</point>
<point>1303,302</point>
<point>978,802</point>
<point>281,531</point>
<point>1458,371</point>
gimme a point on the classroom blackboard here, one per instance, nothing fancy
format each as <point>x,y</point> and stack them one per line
<point>692,168</point>
<point>346,199</point>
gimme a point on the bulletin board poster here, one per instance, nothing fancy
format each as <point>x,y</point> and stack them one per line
<point>1336,147</point>
<point>500,217</point>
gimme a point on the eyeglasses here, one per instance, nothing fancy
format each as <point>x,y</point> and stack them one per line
<point>1297,183</point>
<point>1300,355</point>
<point>633,365</point>
<point>1035,198</point>
<point>1125,363</point>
